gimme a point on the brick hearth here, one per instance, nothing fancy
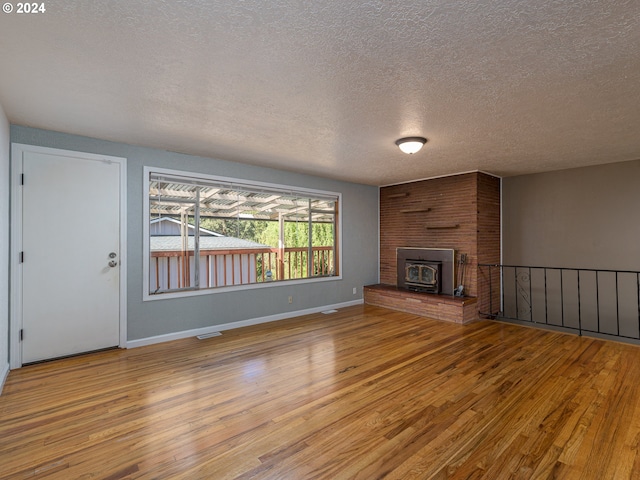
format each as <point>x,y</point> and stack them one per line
<point>439,307</point>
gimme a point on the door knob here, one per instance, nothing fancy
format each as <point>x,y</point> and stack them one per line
<point>113,263</point>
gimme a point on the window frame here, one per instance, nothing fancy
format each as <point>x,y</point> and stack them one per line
<point>147,296</point>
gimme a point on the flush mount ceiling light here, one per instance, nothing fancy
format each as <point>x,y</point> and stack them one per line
<point>411,144</point>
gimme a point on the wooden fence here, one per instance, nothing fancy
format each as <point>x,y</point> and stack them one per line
<point>219,268</point>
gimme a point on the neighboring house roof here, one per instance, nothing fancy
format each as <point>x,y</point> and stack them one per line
<point>168,243</point>
<point>191,227</point>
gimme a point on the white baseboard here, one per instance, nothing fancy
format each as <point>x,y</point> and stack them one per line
<point>4,373</point>
<point>242,323</point>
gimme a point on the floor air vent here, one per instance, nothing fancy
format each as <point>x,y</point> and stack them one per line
<point>208,335</point>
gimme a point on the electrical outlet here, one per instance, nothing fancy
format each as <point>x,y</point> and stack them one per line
<point>355,290</point>
<point>290,299</point>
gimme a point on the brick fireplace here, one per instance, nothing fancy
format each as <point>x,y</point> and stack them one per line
<point>459,214</point>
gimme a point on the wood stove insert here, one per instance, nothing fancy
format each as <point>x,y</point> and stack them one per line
<point>425,270</point>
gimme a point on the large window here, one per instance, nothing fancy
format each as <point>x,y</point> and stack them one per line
<point>207,233</point>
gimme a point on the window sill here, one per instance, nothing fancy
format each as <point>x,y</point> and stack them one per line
<point>236,288</point>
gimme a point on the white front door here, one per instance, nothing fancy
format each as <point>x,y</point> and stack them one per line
<point>71,254</point>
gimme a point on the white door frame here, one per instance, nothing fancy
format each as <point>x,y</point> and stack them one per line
<point>17,152</point>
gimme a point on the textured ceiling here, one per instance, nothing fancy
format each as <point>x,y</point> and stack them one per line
<point>326,87</point>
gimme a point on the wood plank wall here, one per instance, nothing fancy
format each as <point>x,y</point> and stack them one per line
<point>464,215</point>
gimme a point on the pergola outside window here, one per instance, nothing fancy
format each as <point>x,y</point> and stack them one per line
<point>207,233</point>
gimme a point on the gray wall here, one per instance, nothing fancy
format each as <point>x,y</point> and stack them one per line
<point>579,218</point>
<point>146,319</point>
<point>584,217</point>
<point>4,244</point>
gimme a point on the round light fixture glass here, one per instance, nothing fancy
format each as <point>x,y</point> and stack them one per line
<point>411,144</point>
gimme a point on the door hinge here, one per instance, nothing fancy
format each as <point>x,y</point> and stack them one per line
<point>21,257</point>
<point>21,334</point>
<point>22,179</point>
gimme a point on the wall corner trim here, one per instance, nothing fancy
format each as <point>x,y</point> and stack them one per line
<point>4,373</point>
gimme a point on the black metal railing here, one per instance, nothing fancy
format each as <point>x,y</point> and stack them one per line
<point>584,300</point>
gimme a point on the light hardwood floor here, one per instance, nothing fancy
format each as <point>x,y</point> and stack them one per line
<point>363,393</point>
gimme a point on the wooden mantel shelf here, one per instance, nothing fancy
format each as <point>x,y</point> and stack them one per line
<point>443,227</point>
<point>416,210</point>
<point>439,307</point>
